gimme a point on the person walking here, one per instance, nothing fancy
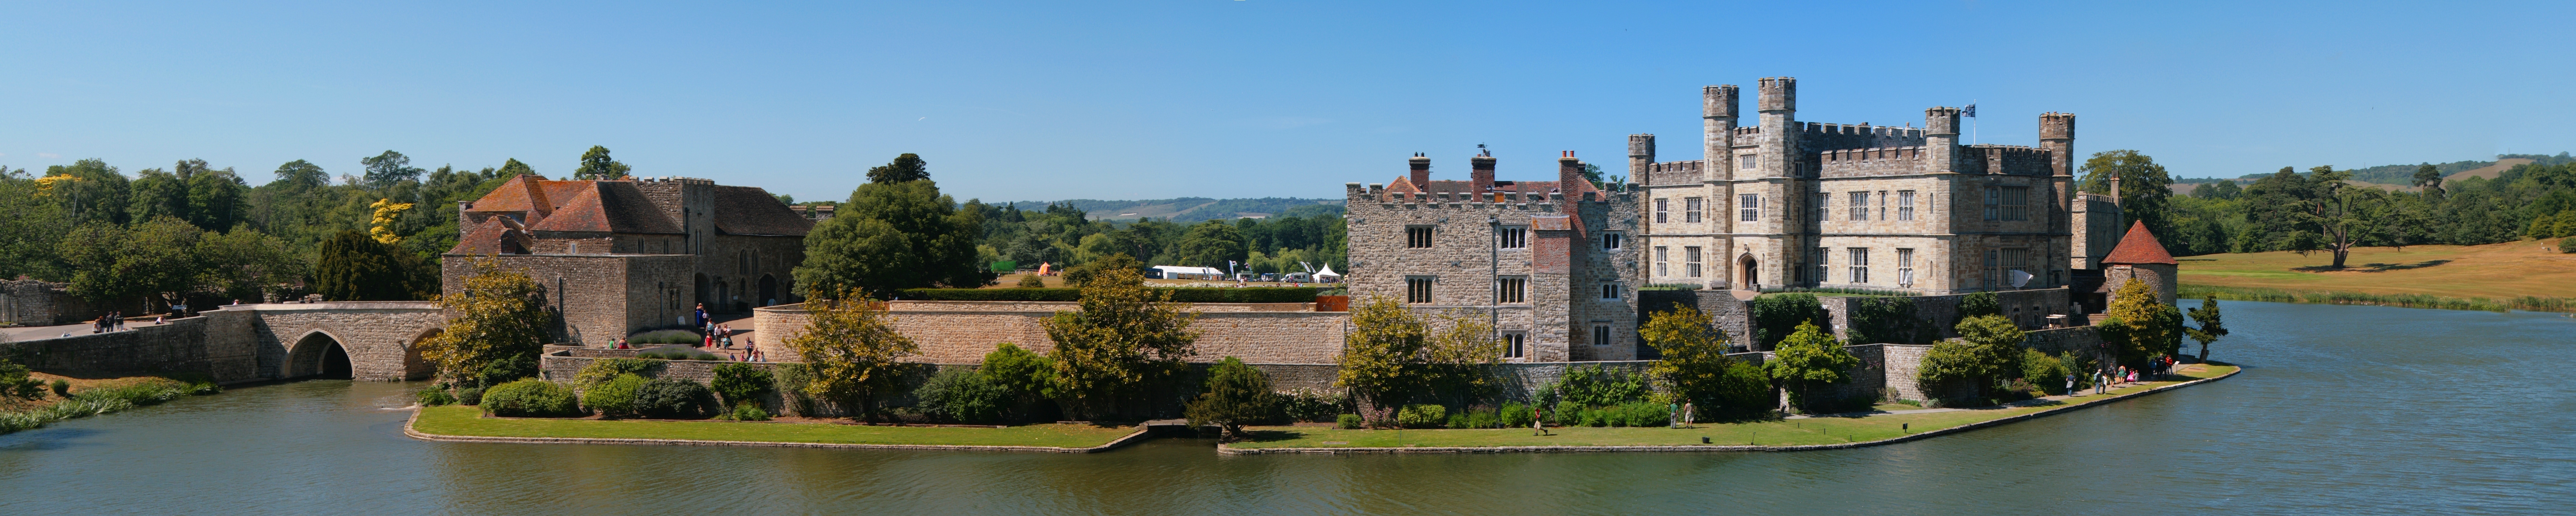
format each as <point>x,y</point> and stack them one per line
<point>2070,384</point>
<point>1538,420</point>
<point>702,316</point>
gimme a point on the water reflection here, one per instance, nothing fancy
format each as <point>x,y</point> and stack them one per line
<point>2346,410</point>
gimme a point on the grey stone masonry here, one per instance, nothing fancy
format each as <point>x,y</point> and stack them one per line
<point>1553,263</point>
<point>1784,203</point>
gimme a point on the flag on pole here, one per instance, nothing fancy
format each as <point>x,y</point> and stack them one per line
<point>1970,112</point>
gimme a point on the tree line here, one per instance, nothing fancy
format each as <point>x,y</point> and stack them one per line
<point>2324,210</point>
<point>191,230</point>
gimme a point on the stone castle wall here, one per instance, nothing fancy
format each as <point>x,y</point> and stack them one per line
<point>41,303</point>
<point>241,343</point>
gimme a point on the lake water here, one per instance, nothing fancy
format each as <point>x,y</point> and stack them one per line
<point>2342,410</point>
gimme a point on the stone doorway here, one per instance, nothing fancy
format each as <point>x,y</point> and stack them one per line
<point>1750,275</point>
<point>768,290</point>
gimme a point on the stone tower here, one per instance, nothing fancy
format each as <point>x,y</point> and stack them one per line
<point>2141,258</point>
<point>1641,155</point>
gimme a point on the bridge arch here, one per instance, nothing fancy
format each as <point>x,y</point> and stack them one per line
<point>414,366</point>
<point>318,354</point>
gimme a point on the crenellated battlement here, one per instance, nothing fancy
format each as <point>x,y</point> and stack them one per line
<point>1879,161</point>
<point>2004,159</point>
<point>1673,173</point>
<point>676,179</point>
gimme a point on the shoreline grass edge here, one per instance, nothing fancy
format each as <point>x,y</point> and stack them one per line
<point>1130,438</point>
<point>1227,448</point>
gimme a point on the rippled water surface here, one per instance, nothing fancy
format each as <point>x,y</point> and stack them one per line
<point>2342,410</point>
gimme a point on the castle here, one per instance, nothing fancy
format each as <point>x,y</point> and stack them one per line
<point>1784,203</point>
<point>619,256</point>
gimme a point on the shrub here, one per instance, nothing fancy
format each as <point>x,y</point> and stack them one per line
<point>529,398</point>
<point>668,398</point>
<point>1646,414</point>
<point>748,412</point>
<point>1421,416</point>
<point>1236,394</point>
<point>469,396</point>
<point>1515,415</point>
<point>1032,281</point>
<point>1313,406</point>
<point>1981,303</point>
<point>1458,421</point>
<point>62,388</point>
<point>615,397</point>
<point>1775,316</point>
<point>605,369</point>
<point>15,382</point>
<point>1484,418</point>
<point>1567,413</point>
<point>666,337</point>
<point>790,380</point>
<point>676,354</point>
<point>506,370</point>
<point>1596,386</point>
<point>1023,374</point>
<point>2046,372</point>
<point>1347,422</point>
<point>961,395</point>
<point>433,397</point>
<point>740,382</point>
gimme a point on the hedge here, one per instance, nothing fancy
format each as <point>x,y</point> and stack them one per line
<point>1183,294</point>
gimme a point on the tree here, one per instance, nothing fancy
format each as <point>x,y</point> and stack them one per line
<point>32,225</point>
<point>1775,316</point>
<point>385,170</point>
<point>1080,274</point>
<point>596,165</point>
<point>2139,325</point>
<point>245,263</point>
<point>893,236</point>
<point>2210,329</point>
<point>2343,216</point>
<point>158,194</point>
<point>1391,355</point>
<point>851,348</point>
<point>512,167</point>
<point>904,168</point>
<point>1807,359</point>
<point>500,316</point>
<point>1236,394</point>
<point>301,175</point>
<point>113,264</point>
<point>1694,364</point>
<point>215,198</point>
<point>1994,344</point>
<point>354,267</point>
<point>1979,303</point>
<point>2145,189</point>
<point>89,190</point>
<point>1025,374</point>
<point>1211,244</point>
<point>2429,178</point>
<point>1124,335</point>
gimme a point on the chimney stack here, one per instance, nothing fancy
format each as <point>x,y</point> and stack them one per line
<point>1569,174</point>
<point>1421,172</point>
<point>1481,171</point>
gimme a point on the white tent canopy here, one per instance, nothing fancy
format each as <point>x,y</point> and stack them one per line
<point>1180,272</point>
<point>1327,275</point>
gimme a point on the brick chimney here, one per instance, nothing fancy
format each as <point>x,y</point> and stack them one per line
<point>1421,172</point>
<point>1482,172</point>
<point>1569,174</point>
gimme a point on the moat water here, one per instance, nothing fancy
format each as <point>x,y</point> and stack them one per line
<point>2342,410</point>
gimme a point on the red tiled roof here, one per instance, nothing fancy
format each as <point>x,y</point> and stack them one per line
<point>2140,246</point>
<point>606,207</point>
<point>493,236</point>
<point>749,210</point>
<point>520,194</point>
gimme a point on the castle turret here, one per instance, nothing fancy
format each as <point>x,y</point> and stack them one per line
<point>1421,172</point>
<point>1717,111</point>
<point>1779,106</point>
<point>1641,156</point>
<point>2057,135</point>
<point>2141,258</point>
<point>1941,138</point>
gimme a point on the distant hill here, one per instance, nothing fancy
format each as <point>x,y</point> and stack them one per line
<point>1194,209</point>
<point>2402,177</point>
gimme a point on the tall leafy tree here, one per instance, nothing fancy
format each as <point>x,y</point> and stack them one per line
<point>2345,216</point>
<point>851,351</point>
<point>112,264</point>
<point>1808,360</point>
<point>1695,367</point>
<point>2145,189</point>
<point>89,190</point>
<point>385,170</point>
<point>1210,244</point>
<point>501,316</point>
<point>905,168</point>
<point>2210,327</point>
<point>31,223</point>
<point>2140,325</point>
<point>244,264</point>
<point>158,193</point>
<point>596,164</point>
<point>1237,394</point>
<point>512,167</point>
<point>1124,336</point>
<point>356,267</point>
<point>893,236</point>
<point>301,175</point>
<point>2429,178</point>
<point>215,198</point>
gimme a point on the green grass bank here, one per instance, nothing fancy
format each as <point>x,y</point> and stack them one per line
<point>458,421</point>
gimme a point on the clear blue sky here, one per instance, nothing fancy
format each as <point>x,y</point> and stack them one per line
<point>1249,98</point>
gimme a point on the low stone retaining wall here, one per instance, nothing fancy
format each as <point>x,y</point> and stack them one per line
<point>961,332</point>
<point>1132,438</point>
<point>1231,450</point>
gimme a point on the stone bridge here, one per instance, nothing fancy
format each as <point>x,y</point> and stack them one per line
<point>365,340</point>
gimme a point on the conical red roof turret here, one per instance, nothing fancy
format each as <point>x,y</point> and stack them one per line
<point>2140,246</point>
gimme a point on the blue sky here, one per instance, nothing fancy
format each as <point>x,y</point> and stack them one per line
<point>1219,98</point>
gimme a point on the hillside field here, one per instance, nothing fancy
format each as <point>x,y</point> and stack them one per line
<point>2506,270</point>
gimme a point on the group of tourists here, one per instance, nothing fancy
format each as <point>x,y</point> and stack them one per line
<point>113,321</point>
<point>717,336</point>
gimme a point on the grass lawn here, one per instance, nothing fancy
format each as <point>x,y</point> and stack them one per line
<point>2506,270</point>
<point>467,421</point>
<point>1793,432</point>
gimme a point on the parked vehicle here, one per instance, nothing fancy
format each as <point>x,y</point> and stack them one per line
<point>1298,277</point>
<point>1269,277</point>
